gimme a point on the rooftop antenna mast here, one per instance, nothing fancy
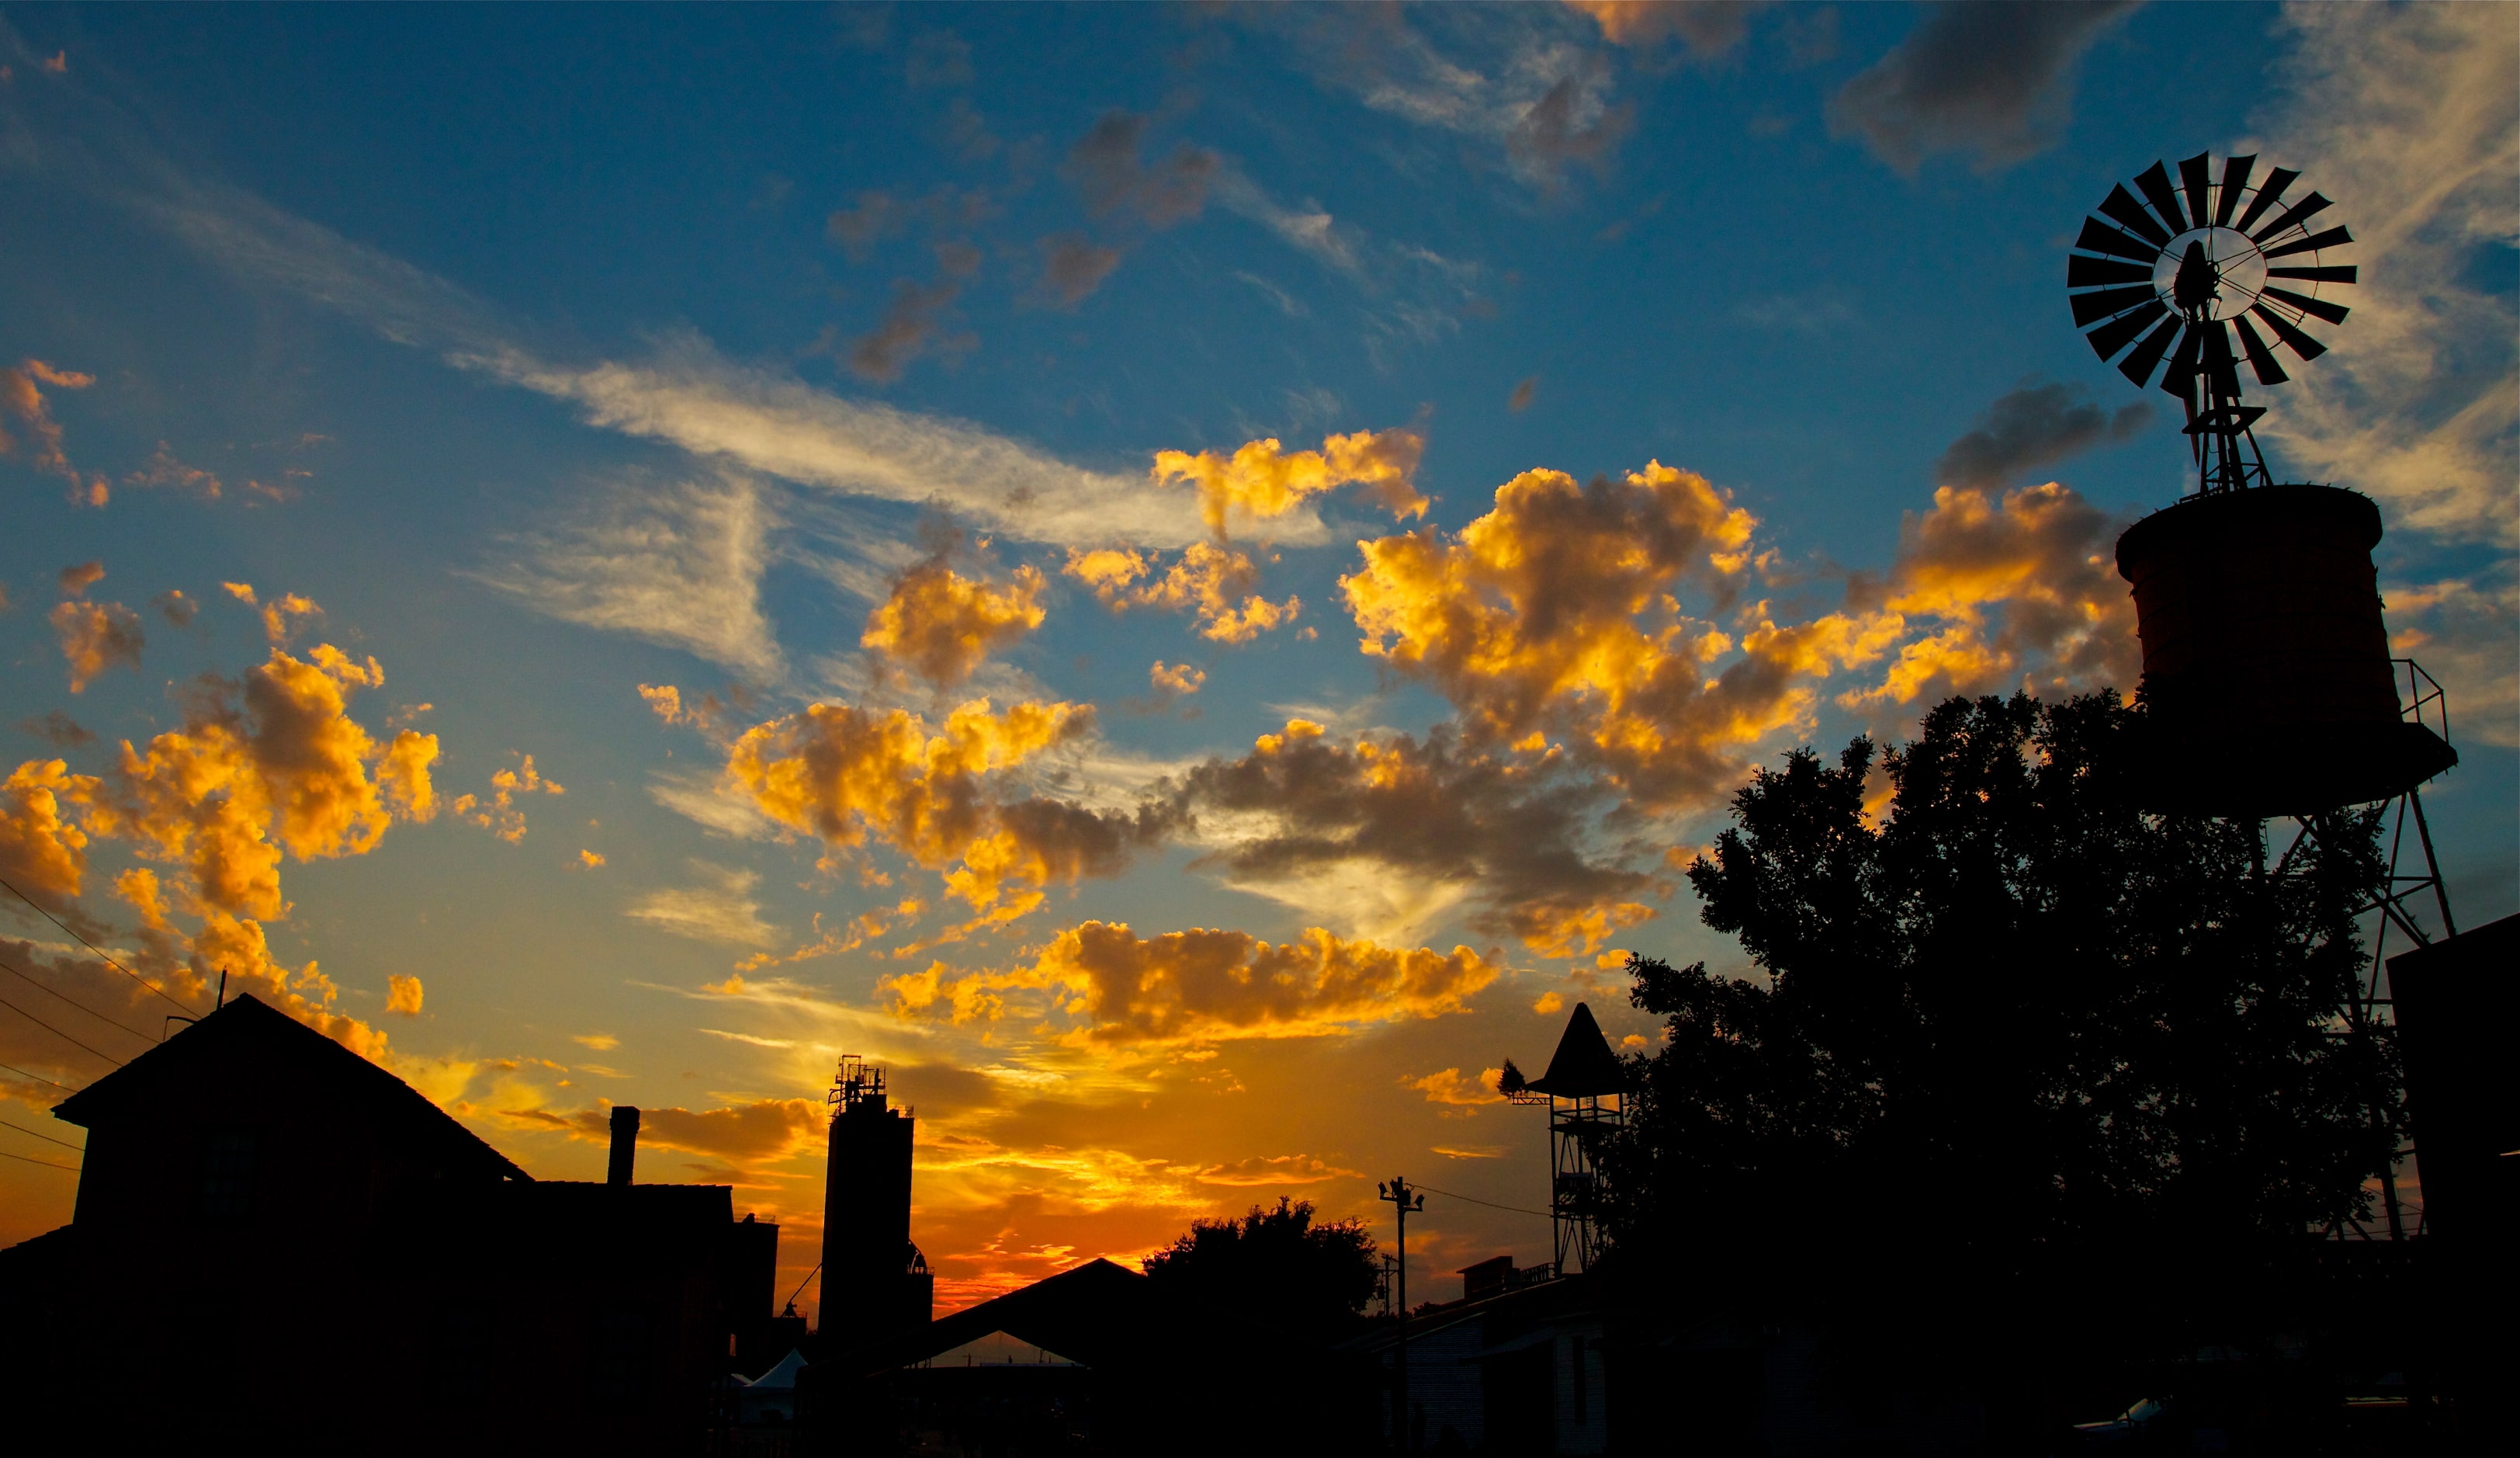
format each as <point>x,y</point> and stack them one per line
<point>2179,273</point>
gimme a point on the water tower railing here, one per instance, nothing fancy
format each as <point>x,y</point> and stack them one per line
<point>2422,702</point>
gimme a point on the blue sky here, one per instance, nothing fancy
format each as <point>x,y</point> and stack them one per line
<point>557,351</point>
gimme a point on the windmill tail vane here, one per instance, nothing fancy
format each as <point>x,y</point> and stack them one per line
<point>2175,281</point>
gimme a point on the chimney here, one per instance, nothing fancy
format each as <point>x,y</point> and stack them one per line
<point>625,1144</point>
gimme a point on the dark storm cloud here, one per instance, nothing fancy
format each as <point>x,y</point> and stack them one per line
<point>1108,172</point>
<point>58,729</point>
<point>1512,833</point>
<point>1992,78</point>
<point>2034,426</point>
<point>908,330</point>
<point>1073,267</point>
<point>176,607</point>
<point>1553,134</point>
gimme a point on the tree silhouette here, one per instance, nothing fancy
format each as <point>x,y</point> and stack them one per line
<point>2015,1019</point>
<point>1277,1266</point>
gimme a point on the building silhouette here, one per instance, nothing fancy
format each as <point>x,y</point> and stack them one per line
<point>277,1241</point>
<point>874,1280</point>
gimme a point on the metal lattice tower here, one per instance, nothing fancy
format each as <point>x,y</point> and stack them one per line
<point>1585,1089</point>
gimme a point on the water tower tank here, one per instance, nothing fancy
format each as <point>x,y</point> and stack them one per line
<point>2267,683</point>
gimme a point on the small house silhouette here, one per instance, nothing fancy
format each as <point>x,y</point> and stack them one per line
<point>278,1241</point>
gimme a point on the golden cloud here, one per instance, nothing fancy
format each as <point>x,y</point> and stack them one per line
<point>20,398</point>
<point>1176,680</point>
<point>268,765</point>
<point>1558,613</point>
<point>281,615</point>
<point>1448,1086</point>
<point>2025,581</point>
<point>1218,584</point>
<point>708,713</point>
<point>845,775</point>
<point>402,995</point>
<point>1207,986</point>
<point>214,794</point>
<point>941,626</point>
<point>1259,1171</point>
<point>1262,479</point>
<point>499,814</point>
<point>95,637</point>
<point>43,853</point>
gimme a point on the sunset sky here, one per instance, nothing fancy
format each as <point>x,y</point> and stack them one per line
<point>1186,578</point>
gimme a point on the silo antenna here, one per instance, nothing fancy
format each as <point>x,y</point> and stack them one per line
<point>2175,274</point>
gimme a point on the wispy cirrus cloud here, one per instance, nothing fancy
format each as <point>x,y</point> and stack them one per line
<point>681,391</point>
<point>687,394</point>
<point>678,563</point>
<point>2408,115</point>
<point>1521,78</point>
<point>719,907</point>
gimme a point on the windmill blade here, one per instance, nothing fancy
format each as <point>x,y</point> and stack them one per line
<point>2235,180</point>
<point>2138,365</point>
<point>2099,237</point>
<point>2293,218</point>
<point>2268,196</point>
<point>2260,358</point>
<point>2180,378</point>
<point>2087,273</point>
<point>2301,344</point>
<point>2334,313</point>
<point>2332,238</point>
<point>2194,181</point>
<point>2092,308</point>
<point>2155,184</point>
<point>2110,338</point>
<point>2345,274</point>
<point>2123,209</point>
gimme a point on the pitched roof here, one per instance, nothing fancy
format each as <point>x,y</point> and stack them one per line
<point>252,1043</point>
<point>1584,1066</point>
<point>1089,1313</point>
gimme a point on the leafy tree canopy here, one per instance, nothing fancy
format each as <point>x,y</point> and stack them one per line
<point>2015,1012</point>
<point>1278,1265</point>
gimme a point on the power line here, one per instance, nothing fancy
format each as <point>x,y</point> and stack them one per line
<point>57,1032</point>
<point>1490,1203</point>
<point>49,1139</point>
<point>13,970</point>
<point>47,1164</point>
<point>91,946</point>
<point>38,1078</point>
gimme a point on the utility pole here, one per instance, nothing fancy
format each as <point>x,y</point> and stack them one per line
<point>1403,1200</point>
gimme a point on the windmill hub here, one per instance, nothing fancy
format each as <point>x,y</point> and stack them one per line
<point>2216,270</point>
